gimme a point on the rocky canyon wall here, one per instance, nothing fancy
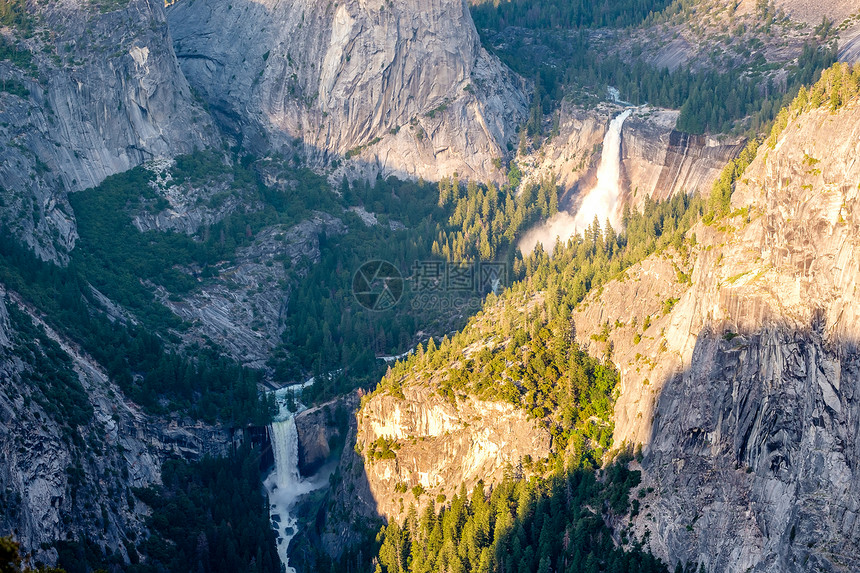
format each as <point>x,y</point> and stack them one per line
<point>656,160</point>
<point>742,384</point>
<point>435,445</point>
<point>103,93</point>
<point>51,468</point>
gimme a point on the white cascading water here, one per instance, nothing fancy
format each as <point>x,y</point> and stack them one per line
<point>285,447</point>
<point>285,485</point>
<point>601,201</point>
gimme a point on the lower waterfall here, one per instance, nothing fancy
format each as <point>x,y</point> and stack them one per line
<point>285,485</point>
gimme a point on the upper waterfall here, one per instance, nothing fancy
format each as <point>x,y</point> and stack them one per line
<point>601,201</point>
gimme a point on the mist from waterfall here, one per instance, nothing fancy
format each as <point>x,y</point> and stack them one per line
<point>285,485</point>
<point>601,201</point>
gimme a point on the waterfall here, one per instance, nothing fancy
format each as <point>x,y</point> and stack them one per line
<point>285,447</point>
<point>285,485</point>
<point>601,201</point>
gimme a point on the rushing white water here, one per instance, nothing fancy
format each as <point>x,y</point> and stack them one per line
<point>601,201</point>
<point>398,357</point>
<point>285,485</point>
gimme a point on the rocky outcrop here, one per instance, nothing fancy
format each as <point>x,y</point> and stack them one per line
<point>400,88</point>
<point>849,41</point>
<point>192,207</point>
<point>321,430</point>
<point>233,310</point>
<point>745,392</point>
<point>573,154</point>
<point>103,93</point>
<point>62,482</point>
<point>659,161</point>
<point>811,12</point>
<point>435,445</point>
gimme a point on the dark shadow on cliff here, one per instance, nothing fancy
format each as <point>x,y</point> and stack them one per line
<point>520,526</point>
<point>751,463</point>
<point>338,524</point>
<point>753,452</point>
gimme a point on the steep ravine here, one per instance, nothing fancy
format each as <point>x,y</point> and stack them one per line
<point>71,483</point>
<point>740,373</point>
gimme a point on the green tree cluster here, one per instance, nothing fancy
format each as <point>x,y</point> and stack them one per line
<point>485,220</point>
<point>11,560</point>
<point>20,58</point>
<point>554,524</point>
<point>327,333</point>
<point>549,14</point>
<point>49,378</point>
<point>712,99</point>
<point>836,87</point>
<point>197,380</point>
<point>330,336</point>
<point>719,202</point>
<point>13,13</point>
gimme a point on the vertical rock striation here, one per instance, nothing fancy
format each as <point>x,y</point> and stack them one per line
<point>435,445</point>
<point>60,481</point>
<point>746,392</point>
<point>656,160</point>
<point>104,93</point>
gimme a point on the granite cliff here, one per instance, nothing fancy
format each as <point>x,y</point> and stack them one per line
<point>743,385</point>
<point>422,445</point>
<point>399,88</point>
<point>739,364</point>
<point>68,474</point>
<point>415,449</point>
<point>100,92</point>
<point>656,160</point>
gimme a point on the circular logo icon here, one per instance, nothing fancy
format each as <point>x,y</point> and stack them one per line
<point>377,285</point>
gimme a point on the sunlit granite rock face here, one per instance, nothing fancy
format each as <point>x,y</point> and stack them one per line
<point>437,445</point>
<point>400,88</point>
<point>441,444</point>
<point>656,160</point>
